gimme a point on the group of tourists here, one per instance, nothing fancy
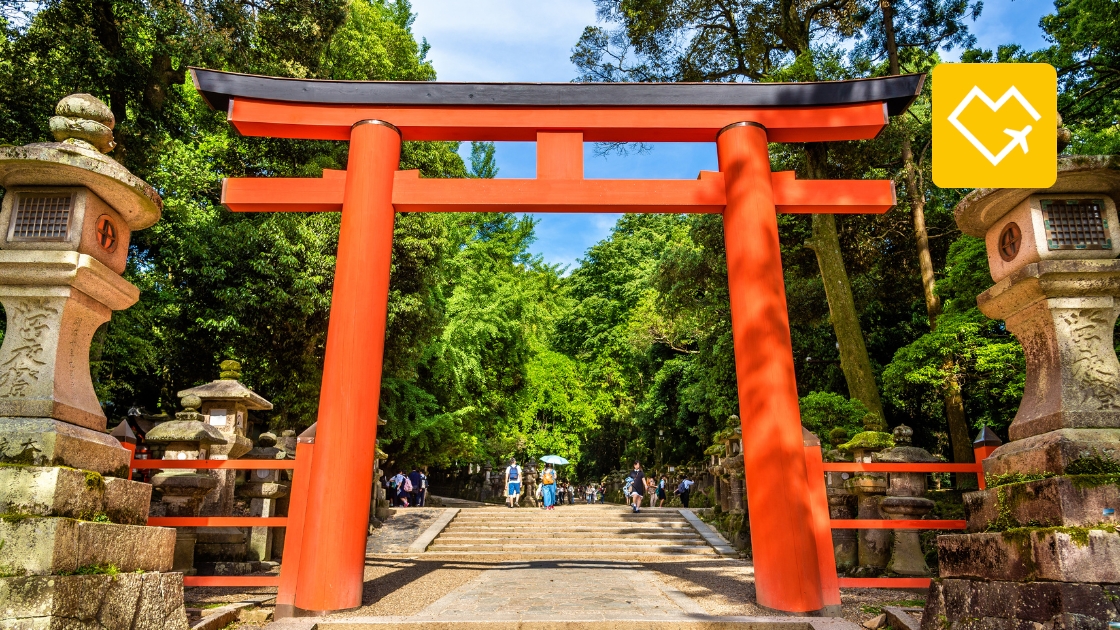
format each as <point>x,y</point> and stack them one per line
<point>638,486</point>
<point>549,491</point>
<point>407,489</point>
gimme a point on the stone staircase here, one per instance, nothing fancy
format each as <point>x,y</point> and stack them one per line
<point>571,531</point>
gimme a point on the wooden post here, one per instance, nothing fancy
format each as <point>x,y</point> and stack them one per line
<point>821,524</point>
<point>293,537</point>
<point>332,564</point>
<point>787,572</point>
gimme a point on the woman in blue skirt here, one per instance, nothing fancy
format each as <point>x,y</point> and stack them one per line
<point>548,486</point>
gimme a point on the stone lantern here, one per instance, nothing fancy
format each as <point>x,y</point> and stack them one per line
<point>65,224</point>
<point>66,217</point>
<point>1052,253</point>
<point>869,488</point>
<point>734,465</point>
<point>906,500</point>
<point>1046,548</point>
<point>186,438</point>
<point>226,404</point>
<point>841,504</point>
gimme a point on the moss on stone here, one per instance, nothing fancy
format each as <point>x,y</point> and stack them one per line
<point>94,481</point>
<point>95,569</point>
<point>995,481</point>
<point>1082,482</point>
<point>868,440</point>
<point>1079,535</point>
<point>1094,465</point>
<point>17,517</point>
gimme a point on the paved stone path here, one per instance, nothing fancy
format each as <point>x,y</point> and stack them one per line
<point>401,530</point>
<point>566,590</point>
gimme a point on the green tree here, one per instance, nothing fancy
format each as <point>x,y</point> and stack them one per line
<point>743,40</point>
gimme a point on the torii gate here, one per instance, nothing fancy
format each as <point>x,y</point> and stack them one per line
<point>741,119</point>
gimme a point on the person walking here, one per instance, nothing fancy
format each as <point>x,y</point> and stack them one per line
<point>548,486</point>
<point>661,484</point>
<point>395,483</point>
<point>416,480</point>
<point>404,489</point>
<point>637,487</point>
<point>513,483</point>
<point>684,489</point>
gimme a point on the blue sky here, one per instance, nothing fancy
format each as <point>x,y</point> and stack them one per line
<point>531,40</point>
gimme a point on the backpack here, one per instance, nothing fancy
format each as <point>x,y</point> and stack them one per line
<point>548,476</point>
<point>407,485</point>
<point>513,470</point>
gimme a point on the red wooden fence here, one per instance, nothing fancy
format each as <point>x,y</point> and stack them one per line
<point>815,467</point>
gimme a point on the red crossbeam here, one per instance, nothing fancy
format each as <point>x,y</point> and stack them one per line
<point>411,193</point>
<point>867,523</point>
<point>218,521</point>
<point>231,580</point>
<point>254,117</point>
<point>214,464</point>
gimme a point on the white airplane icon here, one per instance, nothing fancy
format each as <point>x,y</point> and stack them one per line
<point>1018,137</point>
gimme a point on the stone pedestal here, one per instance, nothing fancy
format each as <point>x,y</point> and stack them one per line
<point>841,503</point>
<point>735,498</point>
<point>264,490</point>
<point>874,544</point>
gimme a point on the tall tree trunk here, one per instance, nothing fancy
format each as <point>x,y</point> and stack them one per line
<point>825,243</point>
<point>959,437</point>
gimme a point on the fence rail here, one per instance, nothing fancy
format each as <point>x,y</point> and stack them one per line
<point>289,567</point>
<point>214,464</point>
<point>816,467</point>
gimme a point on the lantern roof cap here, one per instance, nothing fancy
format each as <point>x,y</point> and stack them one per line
<point>1077,175</point>
<point>225,389</point>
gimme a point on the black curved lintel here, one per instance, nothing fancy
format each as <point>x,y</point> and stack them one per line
<point>218,87</point>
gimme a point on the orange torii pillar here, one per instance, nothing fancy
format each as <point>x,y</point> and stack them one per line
<point>782,538</point>
<point>332,564</point>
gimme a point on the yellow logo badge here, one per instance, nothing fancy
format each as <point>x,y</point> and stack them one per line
<point>995,125</point>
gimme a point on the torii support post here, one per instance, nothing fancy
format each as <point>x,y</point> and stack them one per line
<point>334,537</point>
<point>783,542</point>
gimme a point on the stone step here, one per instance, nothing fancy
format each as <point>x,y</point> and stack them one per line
<point>576,527</point>
<point>589,518</point>
<point>565,540</point>
<point>562,622</point>
<point>72,493</point>
<point>543,548</point>
<point>53,545</point>
<point>535,533</point>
